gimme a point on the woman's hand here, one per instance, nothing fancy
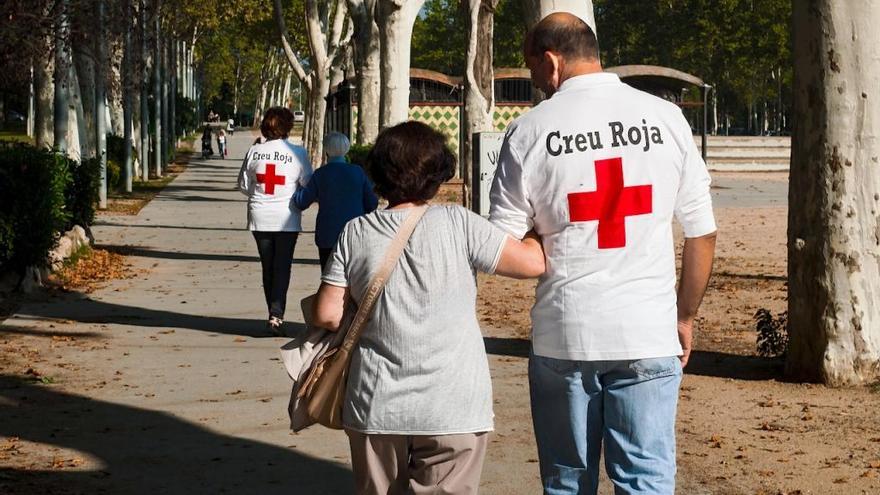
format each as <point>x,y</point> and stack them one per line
<point>522,259</point>
<point>329,306</point>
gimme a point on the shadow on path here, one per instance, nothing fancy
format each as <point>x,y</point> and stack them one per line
<point>177,255</point>
<point>151,226</point>
<point>702,363</point>
<point>82,309</point>
<point>147,452</point>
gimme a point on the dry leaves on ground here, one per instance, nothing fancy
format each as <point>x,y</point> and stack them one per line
<point>93,270</point>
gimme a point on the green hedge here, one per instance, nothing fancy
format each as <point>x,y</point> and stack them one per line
<point>46,193</point>
<point>357,154</point>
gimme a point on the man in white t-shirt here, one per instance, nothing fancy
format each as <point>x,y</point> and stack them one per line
<point>599,170</point>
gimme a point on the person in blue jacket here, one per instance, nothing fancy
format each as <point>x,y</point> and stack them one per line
<point>342,190</point>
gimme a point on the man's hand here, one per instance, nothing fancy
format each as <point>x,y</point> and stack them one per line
<point>686,337</point>
<point>696,266</point>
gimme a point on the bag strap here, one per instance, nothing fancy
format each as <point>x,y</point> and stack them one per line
<point>392,255</point>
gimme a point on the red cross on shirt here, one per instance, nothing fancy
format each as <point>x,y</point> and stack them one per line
<point>610,203</point>
<point>270,179</point>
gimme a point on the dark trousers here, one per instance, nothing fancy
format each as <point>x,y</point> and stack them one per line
<point>276,254</point>
<point>324,256</point>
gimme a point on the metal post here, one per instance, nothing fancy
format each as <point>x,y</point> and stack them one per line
<point>101,103</point>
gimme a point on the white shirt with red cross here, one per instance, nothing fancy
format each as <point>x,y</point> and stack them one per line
<point>599,170</point>
<point>270,174</point>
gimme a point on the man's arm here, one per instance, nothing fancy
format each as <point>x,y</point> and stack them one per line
<point>696,267</point>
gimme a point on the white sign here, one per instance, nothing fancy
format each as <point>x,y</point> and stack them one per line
<point>486,151</point>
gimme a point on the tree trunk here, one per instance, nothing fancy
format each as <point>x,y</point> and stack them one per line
<point>144,156</point>
<point>85,74</point>
<point>77,134</point>
<point>157,92</point>
<point>834,194</point>
<point>535,10</point>
<point>44,89</point>
<point>313,140</point>
<point>366,66</point>
<point>126,90</point>
<point>61,93</point>
<point>395,21</point>
<point>101,100</point>
<point>285,93</point>
<point>115,93</point>
<point>479,91</point>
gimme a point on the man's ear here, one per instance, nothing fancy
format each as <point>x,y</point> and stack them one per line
<point>555,63</point>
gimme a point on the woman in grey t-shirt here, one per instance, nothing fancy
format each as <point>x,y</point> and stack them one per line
<point>419,398</point>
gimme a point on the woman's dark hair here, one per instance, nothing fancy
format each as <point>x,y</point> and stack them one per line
<point>409,162</point>
<point>277,123</point>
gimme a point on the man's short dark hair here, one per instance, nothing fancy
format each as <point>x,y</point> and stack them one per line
<point>570,37</point>
<point>277,123</point>
<point>409,162</point>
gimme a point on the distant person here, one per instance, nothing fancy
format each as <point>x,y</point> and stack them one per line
<point>221,143</point>
<point>270,175</point>
<point>207,145</point>
<point>230,126</point>
<point>342,191</point>
<point>599,170</point>
<point>418,404</point>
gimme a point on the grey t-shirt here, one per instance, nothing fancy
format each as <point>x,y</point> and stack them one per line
<point>420,367</point>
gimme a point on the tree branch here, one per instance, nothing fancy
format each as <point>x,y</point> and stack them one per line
<point>292,58</point>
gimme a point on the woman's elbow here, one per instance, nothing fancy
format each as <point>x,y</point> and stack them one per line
<point>325,320</point>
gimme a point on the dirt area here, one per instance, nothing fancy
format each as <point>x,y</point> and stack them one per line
<point>741,427</point>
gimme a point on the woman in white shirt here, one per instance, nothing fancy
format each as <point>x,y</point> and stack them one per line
<point>419,397</point>
<point>271,173</point>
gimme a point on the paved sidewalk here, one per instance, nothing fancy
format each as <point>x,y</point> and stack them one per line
<point>171,385</point>
<point>189,395</point>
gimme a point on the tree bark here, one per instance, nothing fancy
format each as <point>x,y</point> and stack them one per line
<point>143,29</point>
<point>84,94</point>
<point>100,65</point>
<point>366,65</point>
<point>44,89</point>
<point>126,90</point>
<point>479,88</point>
<point>395,21</point>
<point>157,91</point>
<point>834,193</point>
<point>61,93</point>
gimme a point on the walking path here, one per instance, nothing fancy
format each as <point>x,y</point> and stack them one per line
<point>168,383</point>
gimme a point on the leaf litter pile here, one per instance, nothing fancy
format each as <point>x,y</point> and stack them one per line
<point>92,271</point>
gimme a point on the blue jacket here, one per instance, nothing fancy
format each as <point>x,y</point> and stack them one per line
<point>343,192</point>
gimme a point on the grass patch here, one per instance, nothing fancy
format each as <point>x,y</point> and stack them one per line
<point>15,136</point>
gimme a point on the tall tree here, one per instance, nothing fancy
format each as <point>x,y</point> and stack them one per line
<point>834,194</point>
<point>328,30</point>
<point>479,82</point>
<point>365,41</point>
<point>100,66</point>
<point>395,20</point>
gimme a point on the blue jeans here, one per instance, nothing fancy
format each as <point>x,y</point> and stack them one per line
<point>628,405</point>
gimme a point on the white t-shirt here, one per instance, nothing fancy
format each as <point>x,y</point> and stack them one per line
<point>271,173</point>
<point>599,170</point>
